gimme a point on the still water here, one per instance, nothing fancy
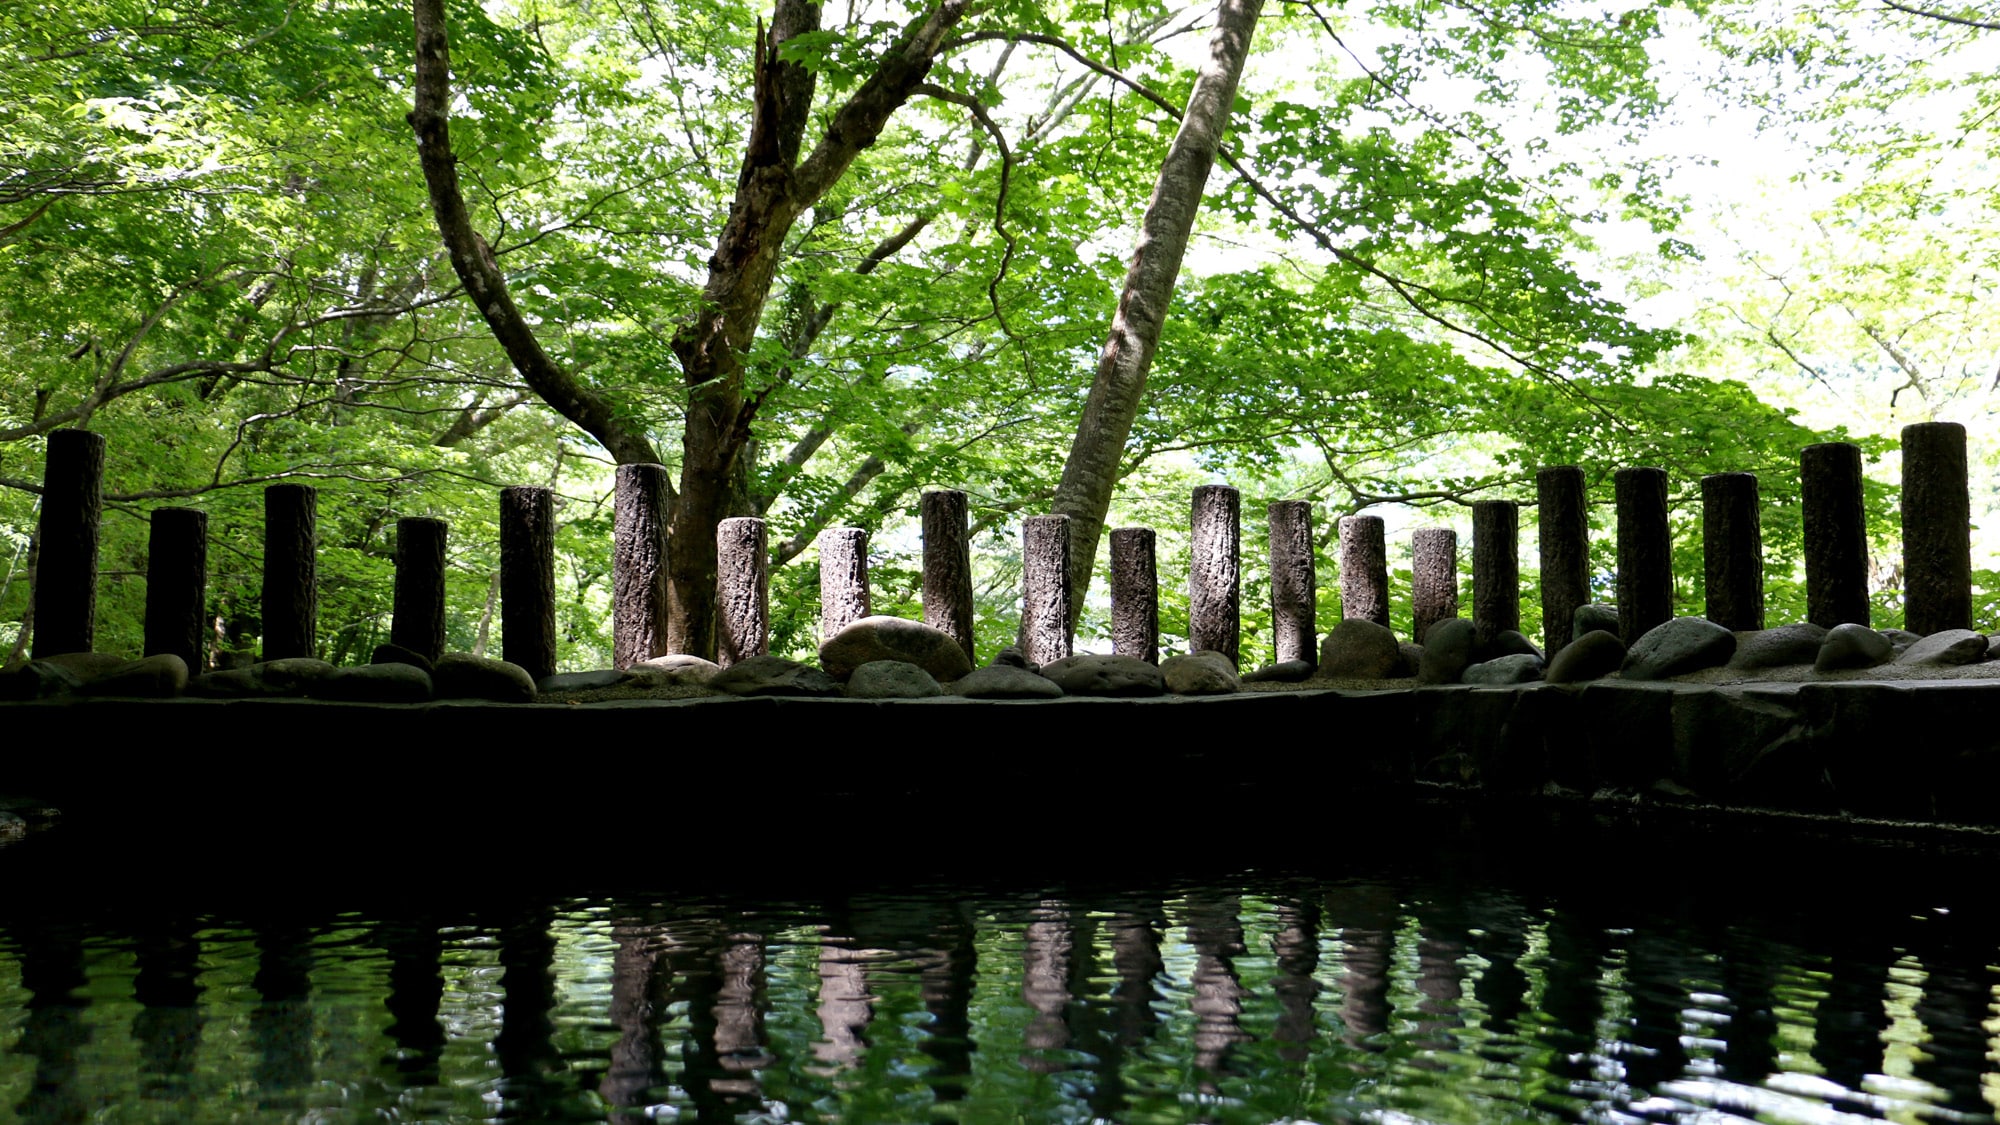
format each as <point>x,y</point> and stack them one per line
<point>1458,972</point>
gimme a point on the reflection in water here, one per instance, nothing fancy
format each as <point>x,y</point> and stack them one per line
<point>1217,937</point>
<point>638,995</point>
<point>1045,956</point>
<point>166,983</point>
<point>281,1024</point>
<point>1365,915</point>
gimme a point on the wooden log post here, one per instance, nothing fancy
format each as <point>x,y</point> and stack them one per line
<point>1294,583</point>
<point>1135,594</point>
<point>1836,534</point>
<point>742,590</point>
<point>948,568</point>
<point>417,621</point>
<point>1214,570</point>
<point>1496,569</point>
<point>1937,529</point>
<point>1045,588</point>
<point>1433,578</point>
<point>1732,548</point>
<point>843,579</point>
<point>1645,552</point>
<point>639,565</point>
<point>65,607</point>
<point>1364,569</point>
<point>177,586</point>
<point>291,578</point>
<point>1563,528</point>
<point>528,579</point>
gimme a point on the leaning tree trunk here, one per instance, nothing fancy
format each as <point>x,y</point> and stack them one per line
<point>1091,473</point>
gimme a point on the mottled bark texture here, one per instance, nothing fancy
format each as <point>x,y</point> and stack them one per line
<point>1563,511</point>
<point>1135,594</point>
<point>1937,529</point>
<point>742,590</point>
<point>948,568</point>
<point>1215,619</point>
<point>639,564</point>
<point>1645,552</point>
<point>66,567</point>
<point>1090,475</point>
<point>1433,578</point>
<point>177,586</point>
<point>1364,569</point>
<point>417,622</point>
<point>528,579</point>
<point>1045,627</point>
<point>291,584</point>
<point>843,579</point>
<point>1294,582</point>
<point>1732,549</point>
<point>1836,534</point>
<point>1496,569</point>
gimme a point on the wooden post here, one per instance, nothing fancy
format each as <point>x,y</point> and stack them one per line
<point>1214,569</point>
<point>843,579</point>
<point>1045,588</point>
<point>1433,578</point>
<point>528,579</point>
<point>1294,583</point>
<point>66,570</point>
<point>742,590</point>
<point>1937,529</point>
<point>177,586</point>
<point>291,585</point>
<point>1732,539</point>
<point>639,565</point>
<point>1135,594</point>
<point>417,622</point>
<point>1364,569</point>
<point>1645,553</point>
<point>1564,536</point>
<point>1496,569</point>
<point>948,568</point>
<point>1836,534</point>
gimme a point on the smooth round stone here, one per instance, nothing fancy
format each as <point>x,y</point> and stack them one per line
<point>1206,672</point>
<point>891,679</point>
<point>1508,642</point>
<point>1677,647</point>
<point>1595,617</point>
<point>1514,668</point>
<point>1089,674</point>
<point>1359,649</point>
<point>674,669</point>
<point>87,666</point>
<point>154,677</point>
<point>1852,645</point>
<point>1013,657</point>
<point>1005,681</point>
<point>1900,639</point>
<point>390,682</point>
<point>1283,672</point>
<point>1592,656</point>
<point>1948,649</point>
<point>461,675</point>
<point>39,679</point>
<point>1774,648</point>
<point>291,675</point>
<point>397,654</point>
<point>597,679</point>
<point>1447,651</point>
<point>774,675</point>
<point>893,638</point>
<point>1409,660</point>
<point>232,683</point>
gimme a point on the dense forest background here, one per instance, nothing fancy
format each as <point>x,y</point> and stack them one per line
<point>1447,243</point>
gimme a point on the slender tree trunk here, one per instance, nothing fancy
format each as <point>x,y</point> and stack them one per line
<point>1091,473</point>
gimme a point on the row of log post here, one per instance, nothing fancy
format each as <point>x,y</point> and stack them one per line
<point>1936,542</point>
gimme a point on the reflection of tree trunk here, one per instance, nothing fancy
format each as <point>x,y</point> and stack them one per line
<point>1295,948</point>
<point>845,1005</point>
<point>1656,966</point>
<point>524,1046</point>
<point>1046,949</point>
<point>638,983</point>
<point>54,1030</point>
<point>1502,987</point>
<point>282,1024</point>
<point>1130,1019</point>
<point>1366,917</point>
<point>739,1015</point>
<point>416,988</point>
<point>1571,974</point>
<point>1751,1054</point>
<point>1848,1023</point>
<point>168,1025</point>
<point>1440,982</point>
<point>947,996</point>
<point>1217,937</point>
<point>696,983</point>
<point>1956,1001</point>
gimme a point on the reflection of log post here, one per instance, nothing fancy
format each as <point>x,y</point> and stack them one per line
<point>742,590</point>
<point>948,568</point>
<point>843,579</point>
<point>417,622</point>
<point>1214,567</point>
<point>639,565</point>
<point>1496,569</point>
<point>845,1007</point>
<point>1645,552</point>
<point>1937,529</point>
<point>1364,569</point>
<point>1046,945</point>
<point>1564,536</point>
<point>1045,588</point>
<point>66,570</point>
<point>1732,547</point>
<point>1836,534</point>
<point>528,579</point>
<point>1433,578</point>
<point>1135,594</point>
<point>291,588</point>
<point>1294,584</point>
<point>177,585</point>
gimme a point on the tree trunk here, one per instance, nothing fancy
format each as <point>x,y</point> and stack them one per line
<point>1091,473</point>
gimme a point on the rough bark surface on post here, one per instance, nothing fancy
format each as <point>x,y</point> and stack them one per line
<point>1135,594</point>
<point>1294,582</point>
<point>291,583</point>
<point>177,586</point>
<point>1215,619</point>
<point>1937,529</point>
<point>1364,569</point>
<point>1732,545</point>
<point>948,568</point>
<point>66,567</point>
<point>742,590</point>
<point>843,579</point>
<point>639,565</point>
<point>1645,552</point>
<point>1045,627</point>
<point>1836,534</point>
<point>417,622</point>
<point>1433,578</point>
<point>1496,569</point>
<point>1563,513</point>
<point>528,579</point>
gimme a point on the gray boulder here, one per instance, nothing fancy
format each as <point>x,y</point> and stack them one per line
<point>595,680</point>
<point>1515,668</point>
<point>1775,648</point>
<point>388,682</point>
<point>1594,617</point>
<point>1677,647</point>
<point>1205,672</point>
<point>39,679</point>
<point>1900,639</point>
<point>676,669</point>
<point>891,679</point>
<point>397,654</point>
<point>1851,645</point>
<point>1447,651</point>
<point>774,675</point>
<point>1507,642</point>
<point>155,677</point>
<point>1105,675</point>
<point>1359,649</point>
<point>1947,649</point>
<point>233,683</point>
<point>893,638</point>
<point>1013,657</point>
<point>1283,672</point>
<point>1006,681</point>
<point>461,675</point>
<point>293,675</point>
<point>87,666</point>
<point>1592,656</point>
<point>1409,660</point>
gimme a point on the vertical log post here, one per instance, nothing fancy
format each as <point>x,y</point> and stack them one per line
<point>1564,535</point>
<point>1364,569</point>
<point>1045,587</point>
<point>742,590</point>
<point>1496,569</point>
<point>1433,578</point>
<point>1836,534</point>
<point>1214,570</point>
<point>639,565</point>
<point>1937,529</point>
<point>66,570</point>
<point>417,622</point>
<point>528,579</point>
<point>843,579</point>
<point>1294,583</point>
<point>1732,545</point>
<point>948,568</point>
<point>1135,594</point>
<point>177,586</point>
<point>291,585</point>
<point>1645,552</point>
